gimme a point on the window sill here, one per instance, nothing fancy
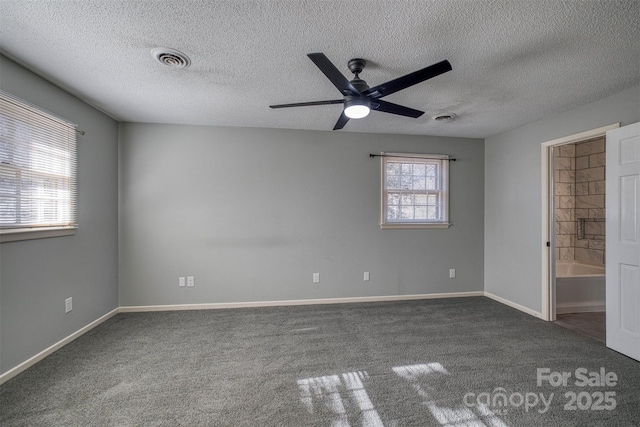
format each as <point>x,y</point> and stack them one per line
<point>18,234</point>
<point>409,225</point>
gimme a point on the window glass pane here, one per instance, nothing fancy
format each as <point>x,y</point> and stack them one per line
<point>431,184</point>
<point>406,212</point>
<point>393,182</point>
<point>405,182</point>
<point>419,183</point>
<point>407,199</point>
<point>421,212</point>
<point>421,199</point>
<point>431,212</point>
<point>393,212</point>
<point>393,199</point>
<point>419,169</point>
<point>406,168</point>
<point>393,168</point>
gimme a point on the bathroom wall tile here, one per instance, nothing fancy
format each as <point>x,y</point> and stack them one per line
<point>564,163</point>
<point>594,227</point>
<point>596,160</point>
<point>566,202</point>
<point>582,188</point>
<point>597,187</point>
<point>566,176</point>
<point>564,215</point>
<point>564,241</point>
<point>565,227</point>
<point>591,174</point>
<point>588,256</point>
<point>582,162</point>
<point>581,243</point>
<point>565,189</point>
<point>568,150</point>
<point>566,254</point>
<point>580,173</point>
<point>581,213</point>
<point>591,147</point>
<point>595,201</point>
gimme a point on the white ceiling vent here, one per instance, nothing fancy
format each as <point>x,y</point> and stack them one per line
<point>170,57</point>
<point>445,117</point>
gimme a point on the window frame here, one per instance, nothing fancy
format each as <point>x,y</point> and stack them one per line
<point>34,118</point>
<point>443,191</point>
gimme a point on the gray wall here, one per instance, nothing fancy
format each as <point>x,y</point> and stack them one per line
<point>513,194</point>
<point>37,275</point>
<point>252,213</point>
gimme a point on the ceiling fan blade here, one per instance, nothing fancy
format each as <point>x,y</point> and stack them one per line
<point>308,104</point>
<point>342,120</point>
<point>389,107</point>
<point>332,73</point>
<point>407,80</point>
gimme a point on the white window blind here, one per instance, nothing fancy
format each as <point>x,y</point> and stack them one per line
<point>38,163</point>
<point>415,189</point>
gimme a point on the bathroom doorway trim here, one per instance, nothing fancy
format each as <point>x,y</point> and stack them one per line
<point>548,305</point>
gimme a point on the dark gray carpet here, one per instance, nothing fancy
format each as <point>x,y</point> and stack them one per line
<point>376,364</point>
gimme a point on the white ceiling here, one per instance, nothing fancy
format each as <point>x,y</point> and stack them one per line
<point>514,62</point>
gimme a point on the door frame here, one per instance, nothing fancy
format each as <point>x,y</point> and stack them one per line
<point>548,234</point>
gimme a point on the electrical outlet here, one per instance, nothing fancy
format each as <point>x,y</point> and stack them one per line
<point>452,273</point>
<point>316,277</point>
<point>191,281</point>
<point>366,276</point>
<point>181,282</point>
<point>68,305</point>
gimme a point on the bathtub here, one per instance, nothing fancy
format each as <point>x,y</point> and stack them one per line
<point>579,287</point>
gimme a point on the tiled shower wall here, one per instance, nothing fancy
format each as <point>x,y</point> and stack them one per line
<point>565,200</point>
<point>590,201</point>
<point>580,201</point>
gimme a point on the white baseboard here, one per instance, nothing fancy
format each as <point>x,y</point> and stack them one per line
<point>44,353</point>
<point>580,308</point>
<point>514,305</point>
<point>222,305</point>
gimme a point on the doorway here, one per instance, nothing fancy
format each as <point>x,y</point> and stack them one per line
<point>579,227</point>
<point>574,232</point>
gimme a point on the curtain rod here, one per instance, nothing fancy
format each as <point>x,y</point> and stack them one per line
<point>420,157</point>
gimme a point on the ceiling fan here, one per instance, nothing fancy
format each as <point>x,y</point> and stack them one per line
<point>359,98</point>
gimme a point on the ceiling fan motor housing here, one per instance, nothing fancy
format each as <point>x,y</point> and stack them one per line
<point>356,65</point>
<point>359,84</point>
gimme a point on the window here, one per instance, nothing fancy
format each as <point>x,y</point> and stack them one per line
<point>415,191</point>
<point>38,190</point>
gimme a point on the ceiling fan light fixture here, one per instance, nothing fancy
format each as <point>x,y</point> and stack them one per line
<point>356,108</point>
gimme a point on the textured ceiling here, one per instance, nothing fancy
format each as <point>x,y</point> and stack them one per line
<point>514,62</point>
